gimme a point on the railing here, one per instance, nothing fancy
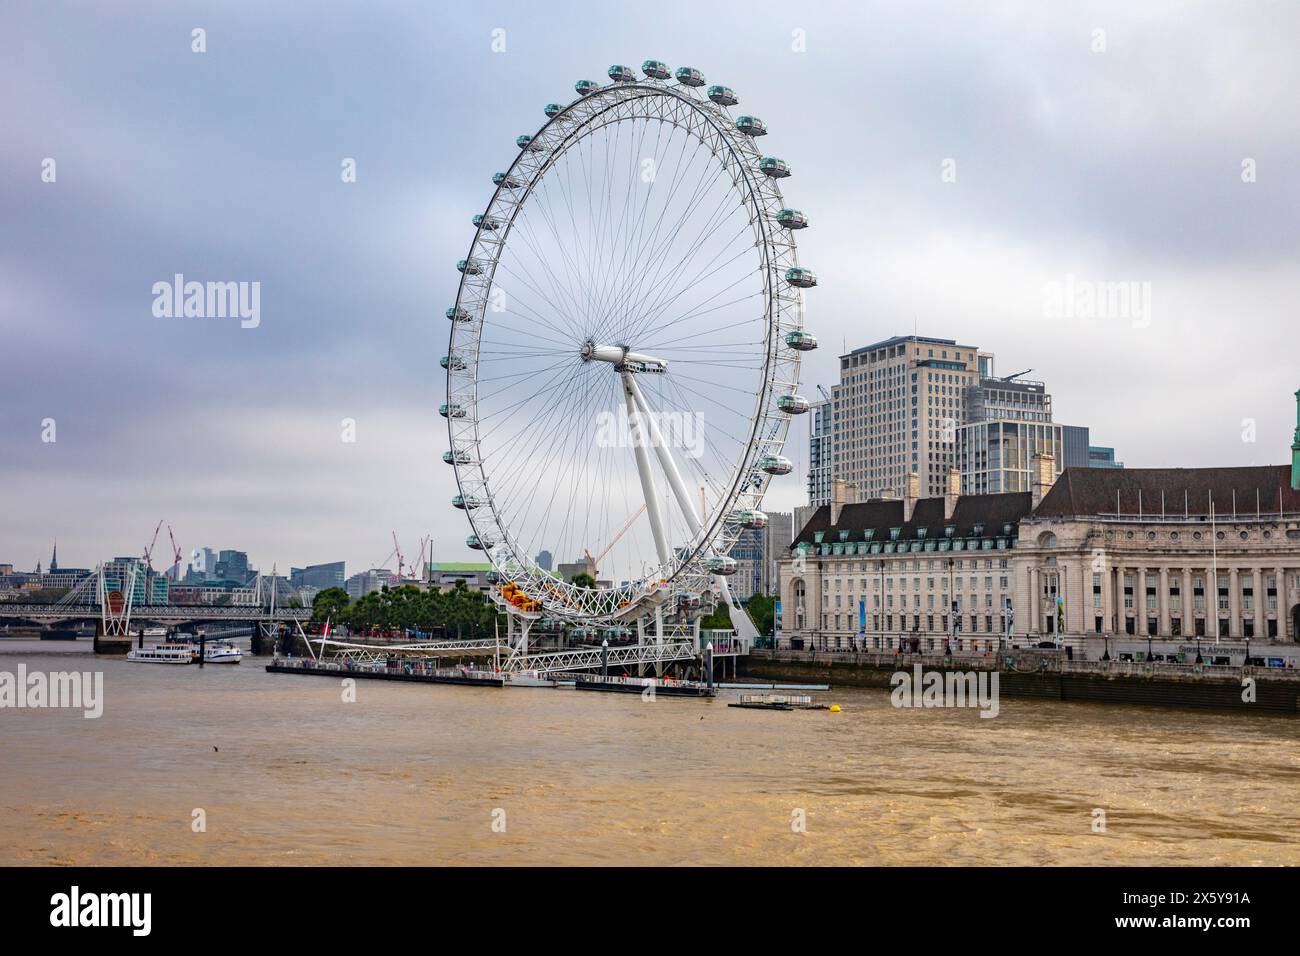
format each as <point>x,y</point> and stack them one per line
<point>169,612</point>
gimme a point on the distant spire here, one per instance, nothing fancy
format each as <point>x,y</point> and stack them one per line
<point>54,558</point>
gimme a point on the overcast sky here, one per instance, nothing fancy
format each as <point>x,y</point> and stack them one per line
<point>1115,164</point>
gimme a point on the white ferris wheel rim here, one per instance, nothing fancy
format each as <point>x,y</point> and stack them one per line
<point>736,152</point>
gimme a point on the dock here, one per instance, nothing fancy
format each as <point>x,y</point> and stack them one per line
<point>414,672</point>
<point>639,685</point>
<point>779,702</point>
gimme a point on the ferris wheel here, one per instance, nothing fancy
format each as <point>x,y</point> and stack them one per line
<point>624,349</point>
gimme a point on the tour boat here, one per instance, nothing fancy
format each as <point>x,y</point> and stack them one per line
<point>163,654</point>
<point>222,652</point>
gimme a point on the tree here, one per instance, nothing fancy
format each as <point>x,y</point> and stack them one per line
<point>762,611</point>
<point>583,580</point>
<point>719,619</point>
<point>329,603</point>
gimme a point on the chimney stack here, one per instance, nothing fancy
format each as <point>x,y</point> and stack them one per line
<point>1043,477</point>
<point>839,498</point>
<point>952,494</point>
<point>913,492</point>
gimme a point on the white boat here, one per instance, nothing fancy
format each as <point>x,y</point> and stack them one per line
<point>529,678</point>
<point>155,632</point>
<point>162,654</point>
<point>222,652</point>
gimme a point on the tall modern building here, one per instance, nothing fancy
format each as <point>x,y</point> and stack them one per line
<point>359,585</point>
<point>821,448</point>
<point>319,576</point>
<point>749,556</point>
<point>1075,438</point>
<point>232,566</point>
<point>203,563</point>
<point>896,412</point>
<point>777,537</point>
<point>1009,422</point>
<point>545,560</point>
<point>1101,457</point>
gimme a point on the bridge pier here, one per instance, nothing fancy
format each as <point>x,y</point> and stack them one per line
<point>106,644</point>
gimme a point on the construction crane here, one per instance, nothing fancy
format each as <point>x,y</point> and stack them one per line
<point>176,556</point>
<point>595,562</point>
<point>825,394</point>
<point>1017,375</point>
<point>148,551</point>
<point>426,544</point>
<point>401,561</point>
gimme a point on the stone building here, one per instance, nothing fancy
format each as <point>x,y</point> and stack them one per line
<point>903,572</point>
<point>1168,553</point>
<point>1101,560</point>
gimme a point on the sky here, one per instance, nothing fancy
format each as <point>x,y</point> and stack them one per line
<point>958,163</point>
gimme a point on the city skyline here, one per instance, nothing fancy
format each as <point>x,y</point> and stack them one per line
<point>1070,166</point>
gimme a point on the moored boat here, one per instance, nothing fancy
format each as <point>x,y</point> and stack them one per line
<point>163,654</point>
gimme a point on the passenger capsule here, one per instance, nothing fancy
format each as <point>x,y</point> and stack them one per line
<point>471,267</point>
<point>720,564</point>
<point>458,315</point>
<point>508,182</point>
<point>451,411</point>
<point>748,518</point>
<point>776,168</point>
<point>792,219</point>
<point>486,222</point>
<point>585,87</point>
<point>688,601</point>
<point>723,96</point>
<point>526,142</point>
<point>465,502</point>
<point>801,341</point>
<point>552,109</point>
<point>800,278</point>
<point>452,362</point>
<point>621,74</point>
<point>775,465</point>
<point>655,70</point>
<point>689,76</point>
<point>493,576</point>
<point>456,458</point>
<point>792,404</point>
<point>751,126</point>
<point>478,544</point>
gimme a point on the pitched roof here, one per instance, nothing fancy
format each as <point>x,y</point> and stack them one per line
<point>880,515</point>
<point>1096,491</point>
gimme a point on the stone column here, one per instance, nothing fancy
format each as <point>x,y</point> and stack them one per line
<point>1103,568</point>
<point>1234,604</point>
<point>1189,617</point>
<point>1140,602</point>
<point>1035,601</point>
<point>1164,627</point>
<point>1119,599</point>
<point>1283,607</point>
<point>1261,599</point>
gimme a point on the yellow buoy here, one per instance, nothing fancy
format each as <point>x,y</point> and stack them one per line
<point>835,708</point>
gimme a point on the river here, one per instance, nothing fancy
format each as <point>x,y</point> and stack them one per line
<point>285,772</point>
